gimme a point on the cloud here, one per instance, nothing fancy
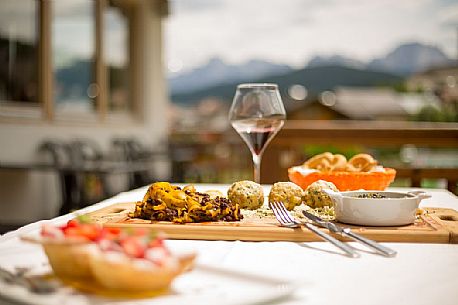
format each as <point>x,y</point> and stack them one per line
<point>239,30</point>
<point>292,31</point>
<point>448,16</point>
<point>195,5</point>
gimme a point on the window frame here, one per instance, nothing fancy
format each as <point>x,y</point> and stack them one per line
<point>45,110</point>
<point>17,109</point>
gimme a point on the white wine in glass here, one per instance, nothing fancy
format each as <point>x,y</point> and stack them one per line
<point>257,114</point>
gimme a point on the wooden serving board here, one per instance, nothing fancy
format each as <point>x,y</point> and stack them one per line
<point>438,225</point>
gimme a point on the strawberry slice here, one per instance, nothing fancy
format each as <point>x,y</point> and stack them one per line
<point>92,232</point>
<point>86,231</point>
<point>74,233</point>
<point>133,247</point>
<point>72,223</point>
<point>109,233</point>
<point>114,231</point>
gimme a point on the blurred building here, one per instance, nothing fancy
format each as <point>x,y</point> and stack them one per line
<point>363,103</point>
<point>208,114</point>
<point>314,110</point>
<point>442,81</point>
<point>79,69</point>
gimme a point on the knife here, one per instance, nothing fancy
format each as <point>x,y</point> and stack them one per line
<point>349,233</point>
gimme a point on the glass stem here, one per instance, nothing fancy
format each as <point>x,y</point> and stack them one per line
<point>257,167</point>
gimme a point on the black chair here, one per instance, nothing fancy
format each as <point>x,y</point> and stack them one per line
<point>76,163</point>
<point>91,182</point>
<point>132,150</point>
<point>58,153</point>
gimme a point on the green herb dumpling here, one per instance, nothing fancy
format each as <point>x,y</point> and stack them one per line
<point>248,194</point>
<point>315,197</point>
<point>287,192</point>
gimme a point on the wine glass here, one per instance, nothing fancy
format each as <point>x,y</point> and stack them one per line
<point>257,114</point>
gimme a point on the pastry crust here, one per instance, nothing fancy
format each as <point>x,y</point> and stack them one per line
<point>125,275</point>
<point>361,163</point>
<point>327,162</point>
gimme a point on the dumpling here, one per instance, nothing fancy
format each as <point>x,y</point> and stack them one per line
<point>315,197</point>
<point>287,192</point>
<point>248,194</point>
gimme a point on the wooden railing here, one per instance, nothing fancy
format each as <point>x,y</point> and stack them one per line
<point>285,150</point>
<point>376,133</point>
<point>368,133</point>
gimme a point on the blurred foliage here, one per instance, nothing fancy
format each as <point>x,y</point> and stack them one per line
<point>401,182</point>
<point>434,114</point>
<point>347,151</point>
<point>384,153</point>
<point>400,87</point>
<point>433,183</point>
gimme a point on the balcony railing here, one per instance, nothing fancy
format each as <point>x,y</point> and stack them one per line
<point>287,148</point>
<point>375,133</point>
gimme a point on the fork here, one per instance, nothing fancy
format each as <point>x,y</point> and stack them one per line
<point>35,284</point>
<point>287,220</point>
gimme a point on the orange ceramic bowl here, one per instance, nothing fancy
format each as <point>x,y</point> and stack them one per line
<point>346,181</point>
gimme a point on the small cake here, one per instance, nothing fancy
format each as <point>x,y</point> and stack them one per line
<point>315,197</point>
<point>135,260</point>
<point>287,192</point>
<point>69,247</point>
<point>138,262</point>
<point>247,194</point>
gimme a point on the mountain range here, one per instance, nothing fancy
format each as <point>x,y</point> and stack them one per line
<point>315,79</point>
<point>218,72</point>
<point>402,61</point>
<point>410,58</point>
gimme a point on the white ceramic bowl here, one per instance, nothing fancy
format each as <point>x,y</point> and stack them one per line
<point>397,208</point>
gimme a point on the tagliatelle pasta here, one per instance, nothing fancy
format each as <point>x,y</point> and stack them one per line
<point>166,202</point>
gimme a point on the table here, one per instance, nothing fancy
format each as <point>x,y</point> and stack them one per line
<point>419,274</point>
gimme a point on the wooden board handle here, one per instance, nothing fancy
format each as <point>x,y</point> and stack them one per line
<point>448,219</point>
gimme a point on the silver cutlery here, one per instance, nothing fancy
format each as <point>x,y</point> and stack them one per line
<point>287,220</point>
<point>35,284</point>
<point>332,227</point>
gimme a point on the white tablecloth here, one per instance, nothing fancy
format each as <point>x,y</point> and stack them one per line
<point>419,274</point>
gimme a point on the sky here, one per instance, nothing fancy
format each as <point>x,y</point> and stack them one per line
<point>280,31</point>
<point>293,31</point>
